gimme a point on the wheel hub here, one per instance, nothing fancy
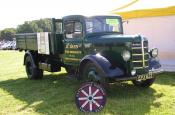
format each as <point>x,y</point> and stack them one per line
<point>92,75</point>
<point>90,97</point>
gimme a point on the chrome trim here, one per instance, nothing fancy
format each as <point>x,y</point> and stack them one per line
<point>136,54</point>
<point>140,67</point>
<point>137,61</point>
<point>143,52</point>
<point>139,54</point>
<point>139,47</point>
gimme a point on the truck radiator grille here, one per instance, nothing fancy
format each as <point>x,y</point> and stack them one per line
<point>140,55</point>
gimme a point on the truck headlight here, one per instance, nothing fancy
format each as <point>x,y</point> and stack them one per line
<point>154,52</point>
<point>126,55</point>
<point>133,72</point>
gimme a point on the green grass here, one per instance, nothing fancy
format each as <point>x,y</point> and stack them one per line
<point>54,94</point>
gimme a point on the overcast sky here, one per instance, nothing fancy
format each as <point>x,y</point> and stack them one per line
<point>15,12</point>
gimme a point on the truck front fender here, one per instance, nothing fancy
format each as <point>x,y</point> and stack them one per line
<point>27,53</point>
<point>103,64</point>
<point>154,63</point>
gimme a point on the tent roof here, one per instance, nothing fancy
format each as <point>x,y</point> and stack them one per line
<point>143,8</point>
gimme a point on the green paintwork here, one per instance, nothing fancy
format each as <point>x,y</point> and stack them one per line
<point>73,45</point>
<point>109,45</point>
<point>56,37</point>
<point>27,41</point>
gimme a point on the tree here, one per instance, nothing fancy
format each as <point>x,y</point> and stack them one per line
<point>42,25</point>
<point>27,27</point>
<point>8,34</point>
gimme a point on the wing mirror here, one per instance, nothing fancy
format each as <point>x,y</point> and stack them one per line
<point>125,21</point>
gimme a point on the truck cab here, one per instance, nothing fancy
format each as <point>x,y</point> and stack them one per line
<point>95,49</point>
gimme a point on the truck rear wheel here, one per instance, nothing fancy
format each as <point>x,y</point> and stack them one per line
<point>32,72</point>
<point>144,83</point>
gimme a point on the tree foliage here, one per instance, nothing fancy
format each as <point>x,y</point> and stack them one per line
<point>7,34</point>
<point>42,25</point>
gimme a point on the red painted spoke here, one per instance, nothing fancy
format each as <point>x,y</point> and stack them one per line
<point>90,90</point>
<point>84,104</point>
<point>98,97</point>
<point>90,98</point>
<point>82,98</point>
<point>90,106</point>
<point>84,92</point>
<point>96,103</point>
<point>95,92</point>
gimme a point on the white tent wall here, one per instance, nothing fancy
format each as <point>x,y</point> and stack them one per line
<point>160,31</point>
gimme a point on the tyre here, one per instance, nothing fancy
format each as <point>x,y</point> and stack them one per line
<point>32,72</point>
<point>144,83</point>
<point>91,73</point>
<point>70,70</point>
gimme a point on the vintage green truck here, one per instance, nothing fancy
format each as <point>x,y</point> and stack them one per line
<point>93,48</point>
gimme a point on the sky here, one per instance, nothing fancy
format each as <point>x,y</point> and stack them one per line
<point>15,12</point>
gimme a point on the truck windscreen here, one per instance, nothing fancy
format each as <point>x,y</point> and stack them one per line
<point>103,24</point>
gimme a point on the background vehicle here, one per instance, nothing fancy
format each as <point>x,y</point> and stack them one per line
<point>94,48</point>
<point>8,45</point>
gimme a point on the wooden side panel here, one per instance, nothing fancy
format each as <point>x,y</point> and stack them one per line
<point>31,41</point>
<point>27,41</point>
<point>20,41</point>
<point>44,42</point>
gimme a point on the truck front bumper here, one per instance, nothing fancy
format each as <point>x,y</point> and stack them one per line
<point>156,71</point>
<point>152,73</point>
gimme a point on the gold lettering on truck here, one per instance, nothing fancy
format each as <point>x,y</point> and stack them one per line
<point>71,46</point>
<point>72,59</point>
<point>72,52</point>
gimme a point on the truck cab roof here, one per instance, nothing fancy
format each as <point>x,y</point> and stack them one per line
<point>81,17</point>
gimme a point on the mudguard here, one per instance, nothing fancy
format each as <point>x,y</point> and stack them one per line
<point>27,53</point>
<point>154,63</point>
<point>103,64</point>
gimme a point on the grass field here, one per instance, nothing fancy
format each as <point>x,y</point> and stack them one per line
<point>54,94</point>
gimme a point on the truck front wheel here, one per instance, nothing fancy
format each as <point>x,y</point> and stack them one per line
<point>92,73</point>
<point>144,83</point>
<point>32,72</point>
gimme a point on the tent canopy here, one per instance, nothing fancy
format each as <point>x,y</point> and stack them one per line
<point>145,8</point>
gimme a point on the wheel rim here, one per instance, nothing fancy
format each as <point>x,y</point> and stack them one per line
<point>91,75</point>
<point>90,97</point>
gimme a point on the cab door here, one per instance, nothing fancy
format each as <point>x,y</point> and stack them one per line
<point>73,41</point>
<point>57,44</point>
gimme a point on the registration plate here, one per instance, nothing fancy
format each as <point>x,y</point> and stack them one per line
<point>145,76</point>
